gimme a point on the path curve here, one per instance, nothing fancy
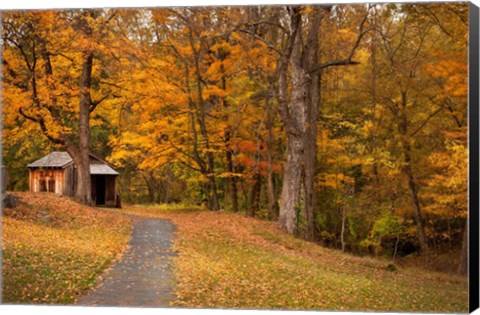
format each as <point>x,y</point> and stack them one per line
<point>143,277</point>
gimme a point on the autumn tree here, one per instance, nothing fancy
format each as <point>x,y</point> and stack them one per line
<point>416,103</point>
<point>300,65</point>
<point>53,63</point>
<point>383,188</point>
<point>204,91</point>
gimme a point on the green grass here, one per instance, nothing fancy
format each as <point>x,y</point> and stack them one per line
<point>167,207</point>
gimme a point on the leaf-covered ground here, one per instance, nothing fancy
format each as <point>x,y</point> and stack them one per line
<point>229,261</point>
<point>55,249</point>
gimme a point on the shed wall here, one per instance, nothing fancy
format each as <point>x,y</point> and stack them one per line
<point>47,180</point>
<point>63,181</point>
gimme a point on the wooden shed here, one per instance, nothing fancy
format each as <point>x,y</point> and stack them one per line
<point>56,173</point>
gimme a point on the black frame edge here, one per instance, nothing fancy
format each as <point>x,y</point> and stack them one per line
<point>473,96</point>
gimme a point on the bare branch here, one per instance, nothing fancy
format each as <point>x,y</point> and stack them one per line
<point>269,45</point>
<point>437,21</point>
<point>180,150</point>
<point>268,23</point>
<point>94,104</point>
<point>62,55</point>
<point>348,60</point>
<point>426,121</point>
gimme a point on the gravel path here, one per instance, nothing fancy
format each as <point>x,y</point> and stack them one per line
<point>143,277</point>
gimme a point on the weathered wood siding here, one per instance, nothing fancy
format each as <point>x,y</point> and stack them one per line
<point>47,180</point>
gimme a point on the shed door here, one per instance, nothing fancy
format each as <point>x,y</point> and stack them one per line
<point>100,190</point>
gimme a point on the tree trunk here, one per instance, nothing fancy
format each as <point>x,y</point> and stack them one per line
<point>299,115</point>
<point>215,205</point>
<point>407,170</point>
<point>291,200</point>
<point>233,181</point>
<point>213,197</point>
<point>229,155</point>
<point>310,156</point>
<point>416,207</point>
<point>167,186</point>
<point>81,156</point>
<point>271,193</point>
<point>150,182</point>
<point>83,191</point>
<point>255,195</point>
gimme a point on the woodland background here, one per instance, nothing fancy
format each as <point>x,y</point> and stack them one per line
<point>362,109</point>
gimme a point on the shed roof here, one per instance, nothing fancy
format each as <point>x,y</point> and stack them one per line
<point>102,169</point>
<point>54,159</point>
<point>63,159</point>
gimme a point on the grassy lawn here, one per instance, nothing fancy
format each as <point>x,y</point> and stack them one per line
<point>229,261</point>
<point>55,249</point>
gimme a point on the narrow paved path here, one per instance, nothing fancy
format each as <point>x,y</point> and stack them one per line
<point>143,277</point>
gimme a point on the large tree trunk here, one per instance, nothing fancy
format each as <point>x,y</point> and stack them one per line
<point>81,156</point>
<point>299,116</point>
<point>292,113</point>
<point>299,112</point>
<point>291,200</point>
<point>83,191</point>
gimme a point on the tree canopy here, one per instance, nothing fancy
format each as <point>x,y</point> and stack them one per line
<point>347,123</point>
